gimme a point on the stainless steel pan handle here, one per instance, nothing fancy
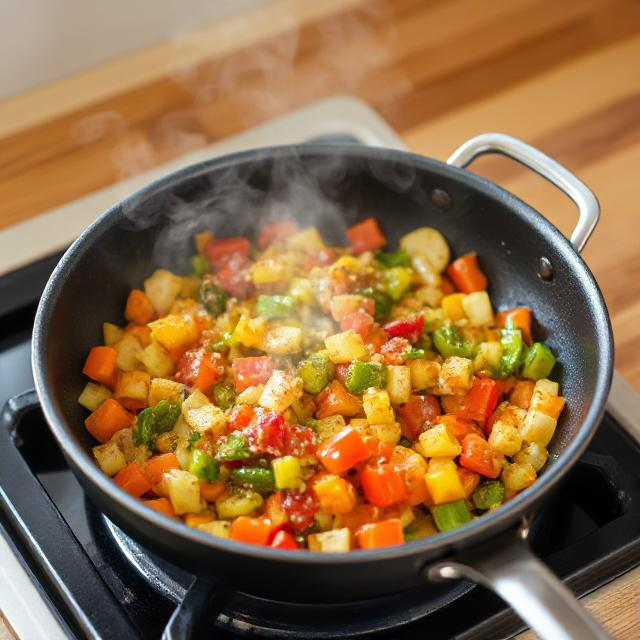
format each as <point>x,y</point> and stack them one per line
<point>553,171</point>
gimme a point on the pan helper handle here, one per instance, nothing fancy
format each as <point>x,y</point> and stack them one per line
<point>548,168</point>
<point>507,565</point>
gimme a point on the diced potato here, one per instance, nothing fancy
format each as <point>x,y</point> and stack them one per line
<point>184,491</point>
<point>251,395</point>
<point>156,360</point>
<point>308,241</point>
<point>426,272</point>
<point>181,428</point>
<point>452,306</point>
<point>456,376</point>
<point>132,388</point>
<point>398,384</point>
<point>93,395</point>
<point>438,442</point>
<point>346,347</point>
<point>430,243</point>
<point>110,457</point>
<point>195,400</point>
<point>287,472</point>
<point>388,432</point>
<point>217,528</point>
<point>207,419</point>
<point>302,291</point>
<point>127,351</point>
<point>183,453</point>
<point>196,519</point>
<point>534,454</point>
<point>343,305</point>
<point>377,406</point>
<point>510,414</point>
<point>167,442</point>
<point>282,389</point>
<point>548,386</point>
<point>303,408</point>
<point>163,389</point>
<point>334,541</point>
<point>269,271</point>
<point>443,481</point>
<point>282,341</point>
<point>518,476</point>
<point>329,427</point>
<point>249,332</point>
<point>111,333</point>
<point>505,438</point>
<point>239,503</point>
<point>174,331</point>
<point>538,427</point>
<point>489,356</point>
<point>323,520</point>
<point>124,439</point>
<point>162,288</point>
<point>361,425</point>
<point>477,307</point>
<point>424,373</point>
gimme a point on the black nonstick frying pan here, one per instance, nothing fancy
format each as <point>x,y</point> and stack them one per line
<point>526,259</point>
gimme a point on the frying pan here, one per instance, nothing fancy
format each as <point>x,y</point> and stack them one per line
<point>526,259</point>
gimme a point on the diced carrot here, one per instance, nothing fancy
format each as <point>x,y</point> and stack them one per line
<point>520,318</point>
<point>251,530</point>
<point>460,427</point>
<point>211,491</point>
<point>386,533</point>
<point>138,309</point>
<point>466,274</point>
<point>383,485</point>
<point>477,455</point>
<point>284,540</point>
<point>108,418</point>
<point>157,466</point>
<point>142,332</point>
<point>343,451</point>
<point>362,514</point>
<point>133,479</point>
<point>521,394</point>
<point>162,505</point>
<point>100,365</point>
<point>194,519</point>
<point>447,286</point>
<point>469,481</point>
<point>366,236</point>
<point>336,400</point>
<point>335,494</point>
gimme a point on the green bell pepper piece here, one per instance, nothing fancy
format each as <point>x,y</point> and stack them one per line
<point>488,494</point>
<point>203,466</point>
<point>220,345</point>
<point>382,302</point>
<point>167,415</point>
<point>414,354</point>
<point>258,478</point>
<point>396,282</point>
<point>405,442</point>
<point>539,362</point>
<point>200,265</point>
<point>363,375</point>
<point>224,395</point>
<point>316,372</point>
<point>451,515</point>
<point>388,259</point>
<point>154,420</point>
<point>512,351</point>
<point>212,297</point>
<point>275,306</point>
<point>235,447</point>
<point>448,341</point>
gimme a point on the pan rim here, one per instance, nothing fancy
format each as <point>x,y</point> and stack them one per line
<point>523,504</point>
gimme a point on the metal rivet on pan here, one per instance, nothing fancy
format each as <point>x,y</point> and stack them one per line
<point>441,199</point>
<point>545,269</point>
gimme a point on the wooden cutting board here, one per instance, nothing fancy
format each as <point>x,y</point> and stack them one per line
<point>564,76</point>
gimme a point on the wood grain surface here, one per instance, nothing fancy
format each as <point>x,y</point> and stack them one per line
<point>563,75</point>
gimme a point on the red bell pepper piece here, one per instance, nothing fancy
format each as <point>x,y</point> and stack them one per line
<point>360,321</point>
<point>383,485</point>
<point>276,231</point>
<point>380,451</point>
<point>415,414</point>
<point>343,451</point>
<point>481,400</point>
<point>233,276</point>
<point>270,434</point>
<point>200,368</point>
<point>366,236</point>
<point>322,259</point>
<point>466,274</point>
<point>251,530</point>
<point>300,508</point>
<point>385,533</point>
<point>241,416</point>
<point>477,455</point>
<point>218,251</point>
<point>284,540</point>
<point>409,328</point>
<point>248,372</point>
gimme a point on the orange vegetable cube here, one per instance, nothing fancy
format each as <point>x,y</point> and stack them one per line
<point>132,389</point>
<point>211,491</point>
<point>100,365</point>
<point>108,418</point>
<point>284,540</point>
<point>520,318</point>
<point>366,236</point>
<point>138,309</point>
<point>335,494</point>
<point>133,480</point>
<point>196,519</point>
<point>383,485</point>
<point>336,400</point>
<point>469,480</point>
<point>157,466</point>
<point>466,274</point>
<point>141,332</point>
<point>343,451</point>
<point>521,393</point>
<point>161,505</point>
<point>386,533</point>
<point>251,530</point>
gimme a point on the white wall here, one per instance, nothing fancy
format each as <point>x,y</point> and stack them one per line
<point>41,40</point>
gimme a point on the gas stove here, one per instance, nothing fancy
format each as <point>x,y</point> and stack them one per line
<point>66,571</point>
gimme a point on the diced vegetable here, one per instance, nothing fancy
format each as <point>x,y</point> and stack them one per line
<point>452,306</point>
<point>174,331</point>
<point>251,530</point>
<point>505,439</point>
<point>488,495</point>
<point>430,243</point>
<point>346,347</point>
<point>518,476</point>
<point>329,426</point>
<point>155,360</point>
<point>133,480</point>
<point>276,231</point>
<point>203,466</point>
<point>111,333</point>
<point>132,389</point>
<point>516,318</point>
<point>162,288</point>
<point>284,540</point>
<point>538,427</point>
<point>343,451</point>
<point>217,528</point>
<point>388,259</point>
<point>417,414</point>
<point>259,479</point>
<point>275,306</point>
<point>451,516</point>
<point>396,282</point>
<point>161,505</point>
<point>521,394</point>
<point>287,472</point>
<point>235,447</point>
<point>316,372</point>
<point>139,308</point>
<point>456,376</point>
<point>477,455</point>
<point>466,274</point>
<point>93,395</point>
<point>539,362</point>
<point>344,305</point>
<point>443,481</point>
<point>383,485</point>
<point>399,384</point>
<point>438,442</point>
<point>110,458</point>
<point>477,307</point>
<point>283,340</point>
<point>220,250</point>
<point>164,389</point>
<point>335,399</point>
<point>534,454</point>
<point>249,372</point>
<point>377,406</point>
<point>336,541</point>
<point>448,341</point>
<point>335,495</point>
<point>409,328</point>
<point>241,502</point>
<point>382,302</point>
<point>385,533</point>
<point>363,375</point>
<point>100,365</point>
<point>107,419</point>
<point>307,241</point>
<point>424,373</point>
<point>282,389</point>
<point>155,420</point>
<point>249,332</point>
<point>366,236</point>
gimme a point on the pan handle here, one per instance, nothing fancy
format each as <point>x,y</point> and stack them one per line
<point>553,171</point>
<point>507,566</point>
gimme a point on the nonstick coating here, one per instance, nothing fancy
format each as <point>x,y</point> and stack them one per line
<point>335,185</point>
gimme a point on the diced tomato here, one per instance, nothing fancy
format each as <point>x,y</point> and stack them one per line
<point>300,507</point>
<point>409,328</point>
<point>477,455</point>
<point>276,231</point>
<point>251,530</point>
<point>218,251</point>
<point>394,350</point>
<point>385,533</point>
<point>133,480</point>
<point>418,413</point>
<point>366,236</point>
<point>274,510</point>
<point>248,372</point>
<point>234,276</point>
<point>270,434</point>
<point>469,481</point>
<point>322,259</point>
<point>336,400</point>
<point>284,540</point>
<point>200,368</point>
<point>520,318</point>
<point>360,321</point>
<point>466,274</point>
<point>241,416</point>
<point>383,485</point>
<point>343,451</point>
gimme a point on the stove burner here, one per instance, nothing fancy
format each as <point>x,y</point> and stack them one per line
<point>250,616</point>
